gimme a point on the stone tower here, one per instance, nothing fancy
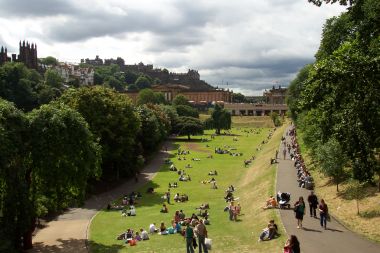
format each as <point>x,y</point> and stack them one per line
<point>28,54</point>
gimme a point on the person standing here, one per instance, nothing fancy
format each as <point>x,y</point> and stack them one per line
<point>284,152</point>
<point>323,212</point>
<point>189,235</point>
<point>201,232</point>
<point>277,154</point>
<point>168,196</point>
<point>299,209</point>
<point>313,204</point>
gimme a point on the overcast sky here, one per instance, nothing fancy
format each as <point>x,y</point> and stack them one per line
<point>249,44</point>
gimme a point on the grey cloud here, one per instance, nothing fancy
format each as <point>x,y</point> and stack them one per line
<point>35,8</point>
<point>98,23</point>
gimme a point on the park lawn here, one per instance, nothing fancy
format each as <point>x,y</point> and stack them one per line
<point>344,209</point>
<point>254,184</point>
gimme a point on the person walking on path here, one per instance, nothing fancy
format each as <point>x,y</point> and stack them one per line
<point>292,245</point>
<point>189,235</point>
<point>277,154</point>
<point>284,152</point>
<point>323,212</point>
<point>201,232</point>
<point>299,209</point>
<point>313,204</point>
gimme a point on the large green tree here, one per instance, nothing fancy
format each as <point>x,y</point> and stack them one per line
<point>188,126</point>
<point>112,119</point>
<point>221,118</point>
<point>64,155</point>
<point>16,211</point>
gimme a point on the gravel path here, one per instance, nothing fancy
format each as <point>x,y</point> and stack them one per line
<point>313,238</point>
<point>68,232</point>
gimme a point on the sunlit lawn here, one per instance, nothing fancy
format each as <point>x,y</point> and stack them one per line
<point>253,183</point>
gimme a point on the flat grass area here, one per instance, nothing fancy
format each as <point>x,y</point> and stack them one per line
<point>253,185</point>
<point>343,208</point>
<point>252,121</point>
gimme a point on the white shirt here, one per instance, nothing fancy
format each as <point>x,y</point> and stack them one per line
<point>152,228</point>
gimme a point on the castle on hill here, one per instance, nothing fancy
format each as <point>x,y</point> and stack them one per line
<point>27,55</point>
<point>190,79</point>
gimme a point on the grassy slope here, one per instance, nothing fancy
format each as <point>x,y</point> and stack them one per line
<point>254,184</point>
<point>367,223</point>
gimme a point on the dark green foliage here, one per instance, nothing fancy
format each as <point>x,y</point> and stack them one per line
<point>112,119</point>
<point>148,96</point>
<point>188,126</point>
<point>180,100</point>
<point>150,133</point>
<point>188,111</point>
<point>50,61</point>
<point>16,87</point>
<point>295,89</point>
<point>115,84</point>
<point>53,79</point>
<point>221,119</point>
<point>15,207</point>
<point>143,82</point>
<point>238,98</point>
<point>276,119</point>
<point>64,155</point>
<point>339,99</point>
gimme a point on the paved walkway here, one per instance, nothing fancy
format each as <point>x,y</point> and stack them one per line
<point>68,232</point>
<point>313,238</point>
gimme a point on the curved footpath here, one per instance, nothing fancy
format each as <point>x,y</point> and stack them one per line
<point>68,232</point>
<point>313,238</point>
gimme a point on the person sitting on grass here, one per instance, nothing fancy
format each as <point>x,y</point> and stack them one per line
<point>164,209</point>
<point>176,197</point>
<point>138,237</point>
<point>176,216</point>
<point>181,215</point>
<point>271,203</point>
<point>152,228</point>
<point>163,229</point>
<point>144,234</point>
<point>129,234</point>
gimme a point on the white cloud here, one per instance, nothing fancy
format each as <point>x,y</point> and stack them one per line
<point>248,43</point>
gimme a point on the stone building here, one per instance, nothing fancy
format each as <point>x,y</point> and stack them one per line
<point>196,97</point>
<point>274,102</point>
<point>27,55</point>
<point>82,75</point>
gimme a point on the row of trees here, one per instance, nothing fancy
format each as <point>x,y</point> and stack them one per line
<point>50,154</point>
<point>336,100</point>
<point>113,77</point>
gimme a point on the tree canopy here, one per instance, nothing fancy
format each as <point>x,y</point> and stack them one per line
<point>112,119</point>
<point>221,119</point>
<point>338,97</point>
<point>188,126</point>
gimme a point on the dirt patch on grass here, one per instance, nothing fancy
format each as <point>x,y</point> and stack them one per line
<point>195,147</point>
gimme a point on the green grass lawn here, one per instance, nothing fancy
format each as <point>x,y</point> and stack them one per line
<point>253,184</point>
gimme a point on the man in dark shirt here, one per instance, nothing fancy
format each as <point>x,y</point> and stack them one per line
<point>313,204</point>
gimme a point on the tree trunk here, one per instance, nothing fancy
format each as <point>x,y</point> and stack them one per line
<point>27,239</point>
<point>188,136</point>
<point>337,186</point>
<point>357,205</point>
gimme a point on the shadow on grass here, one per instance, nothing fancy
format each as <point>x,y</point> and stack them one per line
<point>370,214</point>
<point>72,245</point>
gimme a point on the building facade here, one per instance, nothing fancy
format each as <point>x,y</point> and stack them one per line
<point>275,101</point>
<point>27,55</point>
<point>205,97</point>
<point>82,75</point>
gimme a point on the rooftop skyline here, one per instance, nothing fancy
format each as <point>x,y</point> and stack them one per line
<point>251,45</point>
